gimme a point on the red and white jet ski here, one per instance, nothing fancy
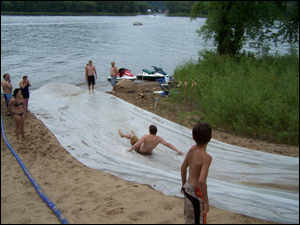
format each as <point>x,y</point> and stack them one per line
<point>124,74</point>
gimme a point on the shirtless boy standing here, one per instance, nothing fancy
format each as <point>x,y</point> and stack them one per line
<point>113,73</point>
<point>89,71</point>
<point>148,141</point>
<point>196,203</point>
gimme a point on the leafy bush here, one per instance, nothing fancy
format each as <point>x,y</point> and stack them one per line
<point>256,97</point>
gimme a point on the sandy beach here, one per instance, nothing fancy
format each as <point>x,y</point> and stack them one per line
<point>85,195</point>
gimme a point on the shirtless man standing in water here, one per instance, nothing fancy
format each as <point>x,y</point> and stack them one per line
<point>148,141</point>
<point>89,71</point>
<point>113,73</point>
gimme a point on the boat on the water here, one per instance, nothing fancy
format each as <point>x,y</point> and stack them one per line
<point>124,74</point>
<point>137,23</point>
<point>152,75</point>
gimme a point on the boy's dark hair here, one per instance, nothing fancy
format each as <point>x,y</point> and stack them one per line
<point>152,129</point>
<point>202,133</point>
<point>24,77</point>
<point>16,91</point>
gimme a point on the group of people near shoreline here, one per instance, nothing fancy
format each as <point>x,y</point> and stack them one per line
<point>90,72</point>
<point>18,99</point>
<point>196,204</point>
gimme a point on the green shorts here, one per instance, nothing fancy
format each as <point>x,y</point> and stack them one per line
<point>134,140</point>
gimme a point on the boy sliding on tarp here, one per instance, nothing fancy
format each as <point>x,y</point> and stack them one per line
<point>148,142</point>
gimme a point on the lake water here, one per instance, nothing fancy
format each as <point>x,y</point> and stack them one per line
<point>50,49</point>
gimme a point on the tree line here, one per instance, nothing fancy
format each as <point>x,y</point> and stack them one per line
<point>74,6</point>
<point>97,6</point>
<point>175,7</point>
<point>82,6</point>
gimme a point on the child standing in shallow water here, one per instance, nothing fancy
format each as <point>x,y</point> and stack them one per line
<point>196,203</point>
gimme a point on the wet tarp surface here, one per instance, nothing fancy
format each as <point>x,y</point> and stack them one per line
<point>87,125</point>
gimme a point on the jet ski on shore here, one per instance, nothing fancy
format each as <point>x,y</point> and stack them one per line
<point>124,74</point>
<point>152,75</point>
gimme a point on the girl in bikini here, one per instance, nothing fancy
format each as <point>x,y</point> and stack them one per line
<point>19,111</point>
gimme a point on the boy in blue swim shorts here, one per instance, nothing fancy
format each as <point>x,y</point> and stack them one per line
<point>7,89</point>
<point>7,97</point>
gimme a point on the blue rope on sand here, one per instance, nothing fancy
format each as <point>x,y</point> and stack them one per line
<point>50,204</point>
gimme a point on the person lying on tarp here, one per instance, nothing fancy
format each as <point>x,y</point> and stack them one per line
<point>148,142</point>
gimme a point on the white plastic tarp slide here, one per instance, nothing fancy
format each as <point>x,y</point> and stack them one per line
<point>87,125</point>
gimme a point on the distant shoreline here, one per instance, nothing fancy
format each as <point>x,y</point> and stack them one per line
<point>73,14</point>
<point>67,14</point>
<point>91,14</point>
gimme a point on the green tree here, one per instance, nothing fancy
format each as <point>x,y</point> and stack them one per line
<point>179,6</point>
<point>133,7</point>
<point>289,28</point>
<point>70,6</point>
<point>100,6</point>
<point>73,7</point>
<point>19,6</point>
<point>155,8</point>
<point>30,6</point>
<point>156,5</point>
<point>172,6</point>
<point>117,6</point>
<point>6,6</point>
<point>124,8</point>
<point>108,6</point>
<point>86,7</point>
<point>54,6</point>
<point>143,6</point>
<point>231,24</point>
<point>66,5</point>
<point>186,6</point>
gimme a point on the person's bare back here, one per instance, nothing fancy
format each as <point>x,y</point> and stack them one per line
<point>198,159</point>
<point>5,83</point>
<point>149,142</point>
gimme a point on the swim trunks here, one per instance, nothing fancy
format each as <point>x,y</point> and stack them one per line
<point>134,140</point>
<point>113,81</point>
<point>91,80</point>
<point>7,97</point>
<point>193,205</point>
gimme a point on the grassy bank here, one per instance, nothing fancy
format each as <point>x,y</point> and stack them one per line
<point>255,97</point>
